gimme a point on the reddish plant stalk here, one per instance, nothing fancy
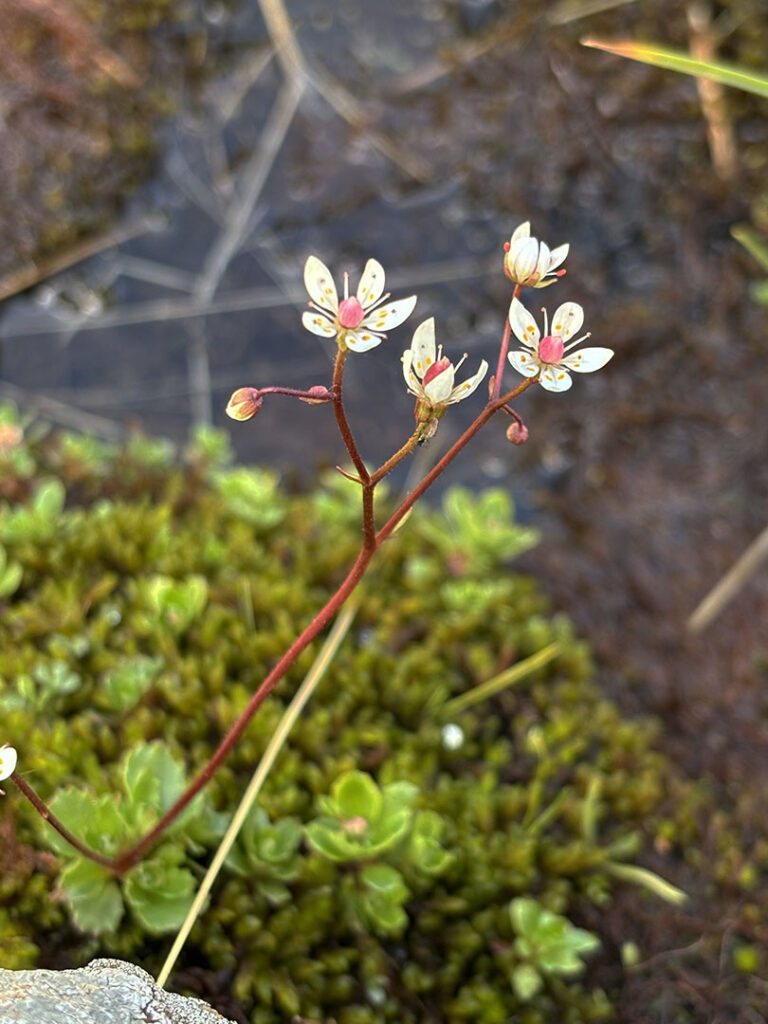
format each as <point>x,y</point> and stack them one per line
<point>371,542</point>
<point>502,363</point>
<point>47,815</point>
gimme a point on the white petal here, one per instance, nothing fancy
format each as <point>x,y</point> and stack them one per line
<point>440,387</point>
<point>319,284</point>
<point>523,325</point>
<point>411,380</point>
<point>423,346</point>
<point>8,758</point>
<point>542,260</point>
<point>318,324</point>
<point>361,340</point>
<point>555,378</point>
<point>390,315</point>
<point>557,255</point>
<point>371,286</point>
<point>587,360</point>
<point>465,389</point>
<point>567,320</point>
<point>521,231</point>
<point>524,362</point>
<point>523,256</point>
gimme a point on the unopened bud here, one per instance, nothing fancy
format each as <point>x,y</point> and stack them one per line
<point>244,403</point>
<point>517,433</point>
<point>323,395</point>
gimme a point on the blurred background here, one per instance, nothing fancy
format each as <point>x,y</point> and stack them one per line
<point>166,168</point>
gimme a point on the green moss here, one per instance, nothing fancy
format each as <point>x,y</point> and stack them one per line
<point>152,601</point>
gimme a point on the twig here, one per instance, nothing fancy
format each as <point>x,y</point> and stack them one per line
<point>288,51</point>
<point>350,110</point>
<point>30,274</point>
<point>60,412</point>
<point>242,300</point>
<point>730,584</point>
<point>714,107</point>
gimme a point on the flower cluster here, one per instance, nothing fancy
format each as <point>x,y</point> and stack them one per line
<point>530,262</point>
<point>359,323</point>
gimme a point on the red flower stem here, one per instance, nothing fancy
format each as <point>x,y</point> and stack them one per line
<point>131,857</point>
<point>296,393</point>
<point>391,462</point>
<point>372,541</point>
<point>47,815</point>
<point>341,417</point>
<point>501,365</point>
<point>126,860</point>
<point>450,455</point>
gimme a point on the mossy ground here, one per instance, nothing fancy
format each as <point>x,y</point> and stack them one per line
<point>548,784</point>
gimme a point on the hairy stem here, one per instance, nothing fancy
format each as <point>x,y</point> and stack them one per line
<point>341,417</point>
<point>47,815</point>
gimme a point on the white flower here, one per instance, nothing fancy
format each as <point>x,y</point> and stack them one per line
<point>430,375</point>
<point>529,261</point>
<point>8,758</point>
<point>358,322</point>
<point>545,356</point>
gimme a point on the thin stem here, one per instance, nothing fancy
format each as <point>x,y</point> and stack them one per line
<point>47,815</point>
<point>297,393</point>
<point>341,417</point>
<point>126,860</point>
<point>275,745</point>
<point>501,365</point>
<point>391,462</point>
<point>448,458</point>
<point>372,541</point>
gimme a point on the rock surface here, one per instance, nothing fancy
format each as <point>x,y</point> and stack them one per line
<point>104,992</point>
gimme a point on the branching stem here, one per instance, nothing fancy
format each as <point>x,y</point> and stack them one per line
<point>372,540</point>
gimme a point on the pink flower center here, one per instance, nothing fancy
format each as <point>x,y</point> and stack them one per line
<point>351,313</point>
<point>551,349</point>
<point>435,370</point>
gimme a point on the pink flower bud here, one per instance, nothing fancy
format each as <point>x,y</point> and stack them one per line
<point>517,433</point>
<point>551,349</point>
<point>351,313</point>
<point>322,393</point>
<point>244,403</point>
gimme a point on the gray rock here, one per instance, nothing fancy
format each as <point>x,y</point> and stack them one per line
<point>104,992</point>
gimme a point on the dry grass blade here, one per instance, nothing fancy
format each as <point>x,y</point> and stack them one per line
<point>730,584</point>
<point>292,712</point>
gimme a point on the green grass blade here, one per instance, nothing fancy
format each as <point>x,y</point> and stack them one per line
<point>755,244</point>
<point>677,60</point>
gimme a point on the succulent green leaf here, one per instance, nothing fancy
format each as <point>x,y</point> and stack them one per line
<point>526,982</point>
<point>124,685</point>
<point>95,821</point>
<point>159,892</point>
<point>152,776</point>
<point>93,895</point>
<point>356,795</point>
<point>549,941</point>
